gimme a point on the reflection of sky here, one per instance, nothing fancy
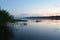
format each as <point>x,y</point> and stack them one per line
<point>30,7</point>
<point>40,30</point>
<point>51,21</point>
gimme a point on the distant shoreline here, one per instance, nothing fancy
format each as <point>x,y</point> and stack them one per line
<point>45,17</point>
<point>38,17</point>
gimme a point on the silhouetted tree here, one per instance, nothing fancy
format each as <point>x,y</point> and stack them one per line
<point>5,17</point>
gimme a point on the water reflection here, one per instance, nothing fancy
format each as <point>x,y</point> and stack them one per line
<point>56,29</point>
<point>41,30</point>
<point>21,23</point>
<point>18,25</point>
<point>25,24</point>
<point>48,21</point>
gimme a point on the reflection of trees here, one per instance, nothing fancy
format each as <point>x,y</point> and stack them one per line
<point>24,24</point>
<point>5,32</point>
<point>21,23</point>
<point>18,25</point>
<point>38,21</point>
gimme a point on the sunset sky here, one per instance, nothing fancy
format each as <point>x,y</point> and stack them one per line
<point>21,8</point>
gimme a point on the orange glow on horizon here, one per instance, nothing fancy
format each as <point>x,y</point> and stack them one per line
<point>50,14</point>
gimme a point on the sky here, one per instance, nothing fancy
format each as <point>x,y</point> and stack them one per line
<point>22,8</point>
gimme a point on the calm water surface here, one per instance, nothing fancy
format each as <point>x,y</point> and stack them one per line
<point>31,30</point>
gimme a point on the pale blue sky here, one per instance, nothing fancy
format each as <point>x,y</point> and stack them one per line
<point>30,7</point>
